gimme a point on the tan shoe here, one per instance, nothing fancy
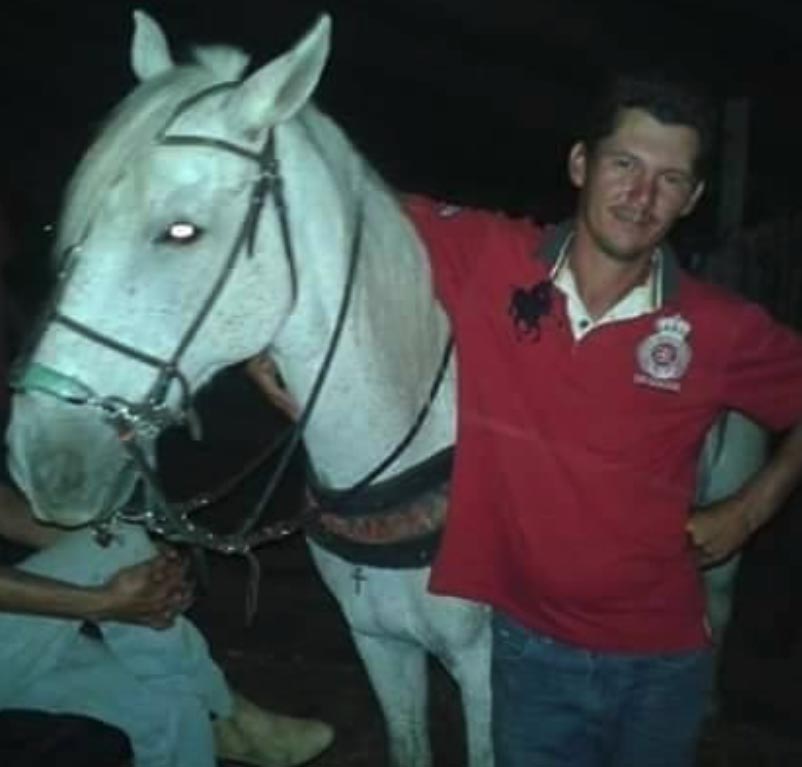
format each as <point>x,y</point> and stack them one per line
<point>262,738</point>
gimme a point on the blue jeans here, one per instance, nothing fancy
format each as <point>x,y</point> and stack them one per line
<point>556,705</point>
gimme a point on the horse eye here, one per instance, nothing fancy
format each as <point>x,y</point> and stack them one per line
<point>180,233</point>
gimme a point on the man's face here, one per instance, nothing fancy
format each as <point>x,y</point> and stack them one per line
<point>639,181</point>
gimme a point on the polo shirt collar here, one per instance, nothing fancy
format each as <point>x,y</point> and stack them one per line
<point>558,237</point>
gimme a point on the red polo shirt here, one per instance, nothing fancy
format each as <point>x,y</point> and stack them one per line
<point>576,460</point>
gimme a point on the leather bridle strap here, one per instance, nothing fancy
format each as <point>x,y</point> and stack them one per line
<point>267,182</point>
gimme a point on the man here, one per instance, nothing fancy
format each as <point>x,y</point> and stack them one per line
<point>590,368</point>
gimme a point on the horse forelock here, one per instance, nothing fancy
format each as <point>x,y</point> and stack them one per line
<point>224,61</point>
<point>130,129</point>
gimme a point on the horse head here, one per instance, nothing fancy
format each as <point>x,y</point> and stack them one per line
<point>175,257</point>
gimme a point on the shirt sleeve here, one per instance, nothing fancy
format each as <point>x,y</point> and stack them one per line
<point>763,377</point>
<point>458,240</point>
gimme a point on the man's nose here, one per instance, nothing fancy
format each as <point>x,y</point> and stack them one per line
<point>642,190</point>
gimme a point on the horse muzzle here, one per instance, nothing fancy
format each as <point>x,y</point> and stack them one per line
<point>66,460</point>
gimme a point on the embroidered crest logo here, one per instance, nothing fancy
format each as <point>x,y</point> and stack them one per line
<point>664,356</point>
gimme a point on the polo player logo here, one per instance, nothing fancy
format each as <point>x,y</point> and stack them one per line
<point>528,307</point>
<point>664,357</point>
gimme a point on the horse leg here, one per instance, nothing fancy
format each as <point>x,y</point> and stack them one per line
<point>470,669</point>
<point>376,606</point>
<point>399,675</point>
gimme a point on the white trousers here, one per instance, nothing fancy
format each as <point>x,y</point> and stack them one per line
<point>159,687</point>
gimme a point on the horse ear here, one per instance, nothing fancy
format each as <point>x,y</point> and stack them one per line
<point>279,89</point>
<point>150,54</point>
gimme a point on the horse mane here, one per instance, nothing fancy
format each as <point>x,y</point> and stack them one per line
<point>393,296</point>
<point>130,129</point>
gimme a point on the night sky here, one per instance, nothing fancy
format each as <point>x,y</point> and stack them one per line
<point>469,100</point>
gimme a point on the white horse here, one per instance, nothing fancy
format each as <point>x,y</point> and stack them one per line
<point>216,217</point>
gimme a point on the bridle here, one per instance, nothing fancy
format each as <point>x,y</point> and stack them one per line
<point>144,420</point>
<point>134,421</point>
<point>152,414</point>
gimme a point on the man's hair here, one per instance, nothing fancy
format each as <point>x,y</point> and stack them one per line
<point>670,102</point>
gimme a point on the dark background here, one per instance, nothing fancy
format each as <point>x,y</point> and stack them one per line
<point>470,100</point>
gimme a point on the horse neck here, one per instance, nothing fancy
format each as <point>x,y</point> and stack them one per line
<point>394,333</point>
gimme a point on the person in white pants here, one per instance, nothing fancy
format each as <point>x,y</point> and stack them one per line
<point>147,669</point>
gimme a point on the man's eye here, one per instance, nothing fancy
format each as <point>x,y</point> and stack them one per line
<point>677,179</point>
<point>180,233</point>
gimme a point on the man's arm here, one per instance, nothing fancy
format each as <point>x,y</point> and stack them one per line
<point>718,530</point>
<point>18,524</point>
<point>151,593</point>
<point>263,372</point>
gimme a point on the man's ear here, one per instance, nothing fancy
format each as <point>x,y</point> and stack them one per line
<point>578,164</point>
<point>693,199</point>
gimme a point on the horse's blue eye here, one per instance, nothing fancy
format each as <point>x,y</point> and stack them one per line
<point>180,233</point>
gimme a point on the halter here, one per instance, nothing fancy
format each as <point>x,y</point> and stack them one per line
<point>134,421</point>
